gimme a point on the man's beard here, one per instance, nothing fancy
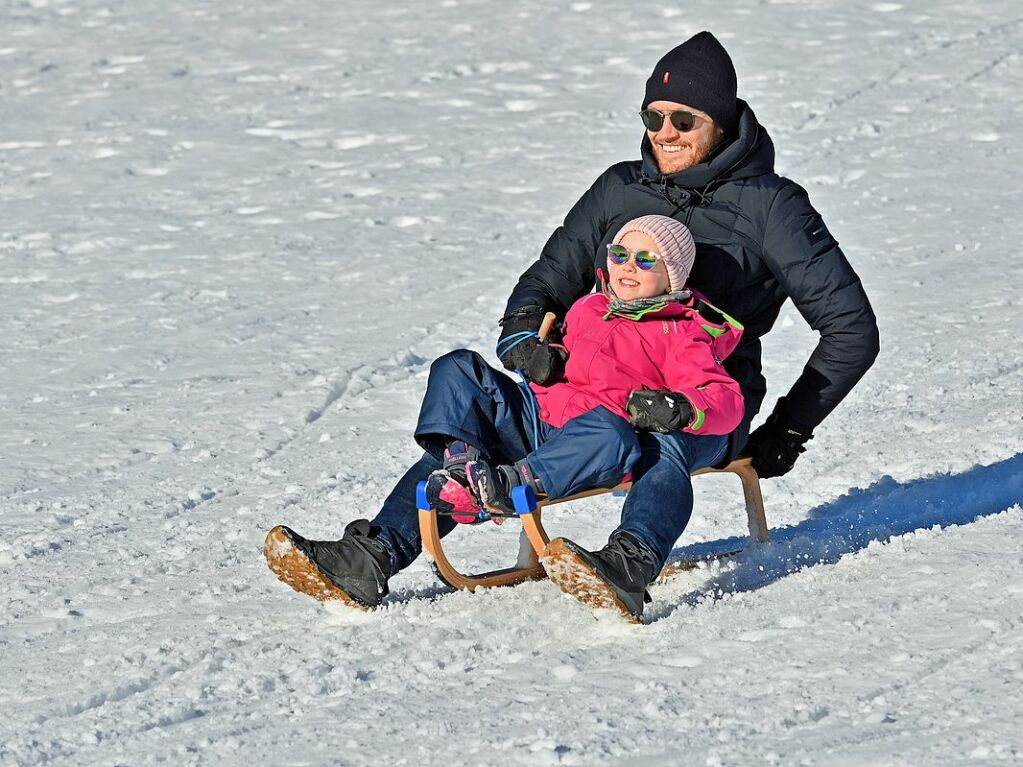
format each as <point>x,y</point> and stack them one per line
<point>687,158</point>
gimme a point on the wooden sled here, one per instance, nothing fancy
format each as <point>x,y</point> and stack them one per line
<point>534,539</point>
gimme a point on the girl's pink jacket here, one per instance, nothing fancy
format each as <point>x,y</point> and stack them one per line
<point>674,348</point>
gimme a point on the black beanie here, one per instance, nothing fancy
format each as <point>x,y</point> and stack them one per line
<point>698,73</point>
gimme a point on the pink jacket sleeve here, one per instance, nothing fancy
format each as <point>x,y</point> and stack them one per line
<point>717,401</point>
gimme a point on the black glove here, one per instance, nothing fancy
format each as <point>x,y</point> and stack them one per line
<point>776,444</point>
<point>659,410</point>
<point>539,362</point>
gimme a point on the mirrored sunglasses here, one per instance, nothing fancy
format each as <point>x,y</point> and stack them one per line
<point>619,254</point>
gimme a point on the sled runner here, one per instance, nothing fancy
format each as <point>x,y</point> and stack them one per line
<point>533,539</point>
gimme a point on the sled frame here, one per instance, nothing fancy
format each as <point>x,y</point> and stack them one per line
<point>533,539</point>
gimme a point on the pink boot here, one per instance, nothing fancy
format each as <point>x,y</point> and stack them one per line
<point>447,489</point>
<point>448,495</point>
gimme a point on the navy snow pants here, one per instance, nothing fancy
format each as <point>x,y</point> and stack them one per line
<point>467,399</point>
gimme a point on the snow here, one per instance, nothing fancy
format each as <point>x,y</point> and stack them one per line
<point>232,238</point>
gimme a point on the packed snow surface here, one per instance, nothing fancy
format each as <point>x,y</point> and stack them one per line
<point>233,236</point>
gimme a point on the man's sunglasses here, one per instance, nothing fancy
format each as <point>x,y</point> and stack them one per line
<point>683,120</point>
<point>619,254</point>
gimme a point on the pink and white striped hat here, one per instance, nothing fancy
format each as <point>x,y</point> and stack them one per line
<point>674,244</point>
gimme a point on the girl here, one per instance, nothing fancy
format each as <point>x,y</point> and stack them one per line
<point>643,363</point>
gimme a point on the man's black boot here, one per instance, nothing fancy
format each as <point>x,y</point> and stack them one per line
<point>354,569</point>
<point>615,577</point>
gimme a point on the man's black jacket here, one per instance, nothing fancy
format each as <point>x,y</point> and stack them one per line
<point>759,241</point>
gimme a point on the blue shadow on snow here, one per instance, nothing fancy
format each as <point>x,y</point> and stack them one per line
<point>885,510</point>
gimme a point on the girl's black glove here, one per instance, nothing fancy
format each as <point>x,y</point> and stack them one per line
<point>776,444</point>
<point>538,362</point>
<point>659,410</point>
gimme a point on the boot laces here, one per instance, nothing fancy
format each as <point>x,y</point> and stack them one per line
<point>629,555</point>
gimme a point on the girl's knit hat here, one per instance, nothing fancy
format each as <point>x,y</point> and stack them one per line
<point>674,244</point>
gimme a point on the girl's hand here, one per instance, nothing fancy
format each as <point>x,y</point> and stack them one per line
<point>659,410</point>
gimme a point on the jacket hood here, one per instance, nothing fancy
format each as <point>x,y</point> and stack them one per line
<point>726,335</point>
<point>725,331</point>
<point>750,153</point>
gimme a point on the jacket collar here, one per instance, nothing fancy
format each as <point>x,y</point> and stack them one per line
<point>663,307</point>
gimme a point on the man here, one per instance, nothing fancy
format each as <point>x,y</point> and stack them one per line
<point>708,163</point>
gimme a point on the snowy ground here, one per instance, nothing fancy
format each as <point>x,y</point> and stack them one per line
<point>232,237</point>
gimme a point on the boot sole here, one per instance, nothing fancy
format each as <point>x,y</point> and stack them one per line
<point>294,568</point>
<point>577,578</point>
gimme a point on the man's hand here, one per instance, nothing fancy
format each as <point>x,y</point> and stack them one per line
<point>776,444</point>
<point>659,410</point>
<point>539,362</point>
